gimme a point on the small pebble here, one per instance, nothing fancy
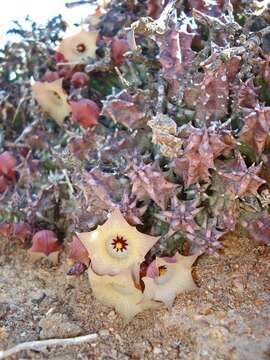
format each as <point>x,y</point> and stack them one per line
<point>157,350</point>
<point>111,315</point>
<point>104,333</point>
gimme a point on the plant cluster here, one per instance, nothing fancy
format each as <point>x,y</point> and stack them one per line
<point>157,111</point>
<point>116,252</point>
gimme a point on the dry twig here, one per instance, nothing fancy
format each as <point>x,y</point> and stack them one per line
<point>41,345</point>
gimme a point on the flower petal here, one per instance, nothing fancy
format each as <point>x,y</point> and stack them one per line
<point>52,99</point>
<point>119,292</point>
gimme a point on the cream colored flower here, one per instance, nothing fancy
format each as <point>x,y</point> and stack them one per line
<point>120,293</point>
<point>52,99</point>
<point>260,7</point>
<point>169,278</point>
<point>78,47</point>
<point>116,246</point>
<point>104,3</point>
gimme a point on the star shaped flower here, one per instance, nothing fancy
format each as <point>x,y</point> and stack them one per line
<point>76,48</point>
<point>52,99</point>
<point>116,246</point>
<point>167,277</point>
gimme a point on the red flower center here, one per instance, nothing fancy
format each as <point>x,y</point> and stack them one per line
<point>81,48</point>
<point>119,244</point>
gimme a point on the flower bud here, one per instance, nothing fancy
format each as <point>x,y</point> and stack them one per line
<point>85,112</point>
<point>79,79</point>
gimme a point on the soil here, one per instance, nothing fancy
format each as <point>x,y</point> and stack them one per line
<point>227,317</point>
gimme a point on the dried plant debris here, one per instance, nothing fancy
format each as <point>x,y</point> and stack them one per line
<point>156,112</point>
<point>126,109</point>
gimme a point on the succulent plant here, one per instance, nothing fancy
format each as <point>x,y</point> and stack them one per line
<point>153,137</point>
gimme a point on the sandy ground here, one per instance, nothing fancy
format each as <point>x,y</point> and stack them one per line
<point>226,318</point>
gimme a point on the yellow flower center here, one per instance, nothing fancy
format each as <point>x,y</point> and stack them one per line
<point>119,244</point>
<point>162,270</point>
